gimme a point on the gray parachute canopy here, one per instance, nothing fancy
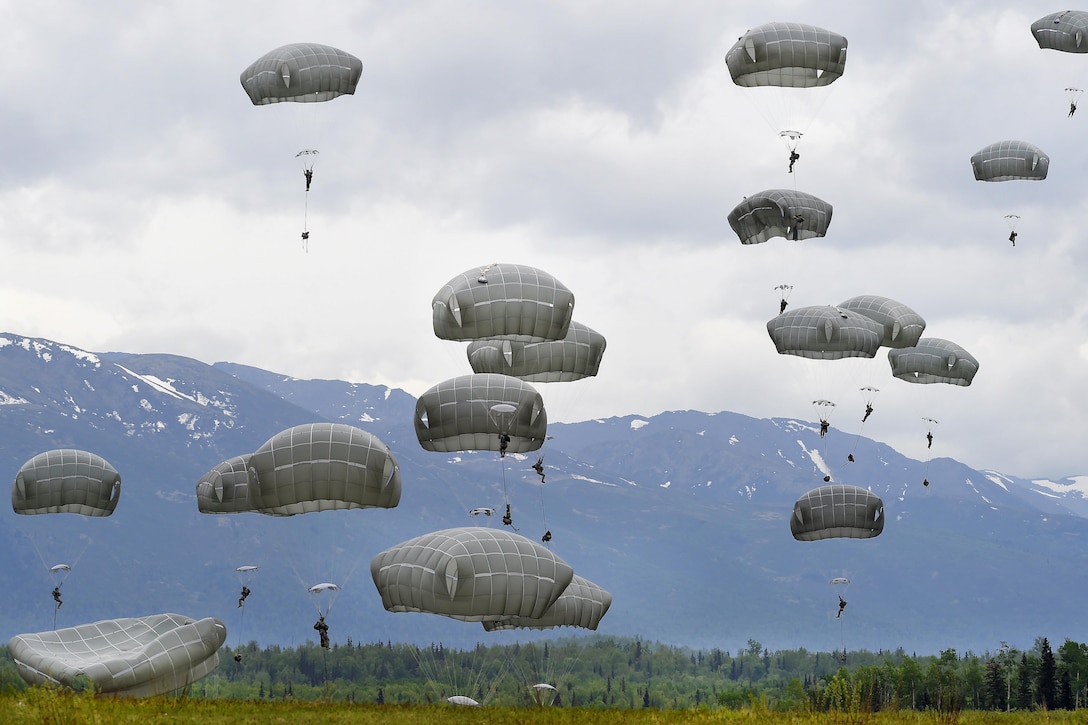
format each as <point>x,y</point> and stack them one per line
<point>473,574</point>
<point>793,55</point>
<point>774,212</point>
<point>131,657</point>
<point>837,511</point>
<point>507,301</point>
<point>66,480</point>
<point>225,489</point>
<point>578,355</point>
<point>321,467</point>
<point>582,604</point>
<point>301,73</point>
<point>934,360</point>
<point>1010,160</point>
<point>825,333</point>
<point>902,325</point>
<point>469,412</point>
<point>1066,31</point>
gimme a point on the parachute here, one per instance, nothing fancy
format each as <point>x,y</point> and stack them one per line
<point>837,511</point>
<point>472,574</point>
<point>933,360</point>
<point>1066,31</point>
<point>462,700</point>
<point>301,73</point>
<point>1009,160</point>
<point>825,333</point>
<point>470,412</point>
<point>577,355</point>
<point>481,511</point>
<point>226,488</point>
<point>791,55</point>
<point>131,657</point>
<point>323,466</point>
<point>502,301</point>
<point>902,325</point>
<point>66,481</point>
<point>780,213</point>
<point>543,693</point>
<point>582,604</point>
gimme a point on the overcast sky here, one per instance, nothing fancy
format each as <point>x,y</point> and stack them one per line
<point>147,206</point>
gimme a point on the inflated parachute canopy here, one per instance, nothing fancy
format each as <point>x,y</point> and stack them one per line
<point>470,412</point>
<point>1066,31</point>
<point>837,511</point>
<point>322,467</point>
<point>1010,160</point>
<point>578,355</point>
<point>774,212</point>
<point>902,325</point>
<point>792,55</point>
<point>301,73</point>
<point>508,301</point>
<point>825,333</point>
<point>934,360</point>
<point>132,657</point>
<point>225,489</point>
<point>66,481</point>
<point>473,574</point>
<point>582,604</point>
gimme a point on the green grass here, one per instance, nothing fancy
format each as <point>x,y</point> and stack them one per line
<point>57,707</point>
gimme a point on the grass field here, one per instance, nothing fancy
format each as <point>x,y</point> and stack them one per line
<point>38,705</point>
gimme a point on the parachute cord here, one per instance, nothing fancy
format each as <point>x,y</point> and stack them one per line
<point>544,518</point>
<point>306,223</point>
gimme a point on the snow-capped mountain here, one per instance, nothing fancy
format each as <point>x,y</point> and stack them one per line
<point>683,517</point>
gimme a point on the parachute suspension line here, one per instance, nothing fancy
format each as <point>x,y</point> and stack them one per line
<point>868,393</point>
<point>547,537</point>
<point>930,423</point>
<point>307,156</point>
<point>507,519</point>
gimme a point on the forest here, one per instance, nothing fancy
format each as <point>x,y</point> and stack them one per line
<point>609,672</point>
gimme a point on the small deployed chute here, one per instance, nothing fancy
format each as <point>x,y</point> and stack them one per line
<point>1010,160</point>
<point>837,511</point>
<point>1066,31</point>
<point>462,701</point>
<point>1013,220</point>
<point>543,693</point>
<point>933,360</point>
<point>481,511</point>
<point>780,213</point>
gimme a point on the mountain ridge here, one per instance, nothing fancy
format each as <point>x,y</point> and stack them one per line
<point>683,516</point>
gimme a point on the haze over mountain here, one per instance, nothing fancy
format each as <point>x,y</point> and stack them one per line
<point>683,517</point>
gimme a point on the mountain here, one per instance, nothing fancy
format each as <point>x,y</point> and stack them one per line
<point>682,516</point>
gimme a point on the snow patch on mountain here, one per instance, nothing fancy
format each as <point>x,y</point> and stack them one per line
<point>1077,485</point>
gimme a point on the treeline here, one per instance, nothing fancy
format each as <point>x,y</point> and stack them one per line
<point>613,672</point>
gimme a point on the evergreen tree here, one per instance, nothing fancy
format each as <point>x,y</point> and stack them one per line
<point>996,692</point>
<point>1048,675</point>
<point>1023,684</point>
